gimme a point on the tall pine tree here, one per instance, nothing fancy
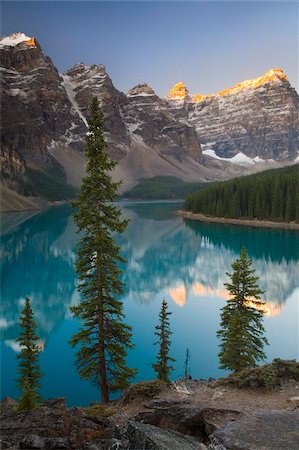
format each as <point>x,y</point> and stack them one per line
<point>242,332</point>
<point>28,367</point>
<point>162,366</point>
<point>103,338</point>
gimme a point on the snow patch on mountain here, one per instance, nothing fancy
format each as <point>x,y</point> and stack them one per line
<point>71,95</point>
<point>239,158</point>
<point>141,94</point>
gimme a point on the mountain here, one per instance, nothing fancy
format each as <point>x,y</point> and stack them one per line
<point>256,118</point>
<point>45,114</point>
<point>36,116</point>
<point>142,133</point>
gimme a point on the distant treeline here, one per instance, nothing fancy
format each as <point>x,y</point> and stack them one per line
<point>269,195</point>
<point>162,187</point>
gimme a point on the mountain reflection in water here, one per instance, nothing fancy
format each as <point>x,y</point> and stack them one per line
<point>181,260</point>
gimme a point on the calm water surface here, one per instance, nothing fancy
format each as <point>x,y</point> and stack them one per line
<point>184,262</point>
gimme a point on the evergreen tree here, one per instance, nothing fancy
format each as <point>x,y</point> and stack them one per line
<point>186,365</point>
<point>103,338</point>
<point>272,194</point>
<point>162,367</point>
<point>242,330</point>
<point>297,203</point>
<point>28,367</point>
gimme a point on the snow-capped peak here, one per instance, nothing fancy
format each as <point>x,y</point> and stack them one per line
<point>15,39</point>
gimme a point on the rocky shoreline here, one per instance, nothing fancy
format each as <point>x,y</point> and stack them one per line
<point>193,415</point>
<point>231,221</point>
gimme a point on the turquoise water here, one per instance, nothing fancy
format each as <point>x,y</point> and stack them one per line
<point>184,262</point>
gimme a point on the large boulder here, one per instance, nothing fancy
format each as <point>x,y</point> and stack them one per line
<point>275,430</point>
<point>183,416</point>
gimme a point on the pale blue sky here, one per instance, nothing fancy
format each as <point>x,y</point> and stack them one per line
<point>208,45</point>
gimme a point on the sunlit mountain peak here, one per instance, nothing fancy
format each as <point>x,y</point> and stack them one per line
<point>17,38</point>
<point>178,92</point>
<point>271,76</point>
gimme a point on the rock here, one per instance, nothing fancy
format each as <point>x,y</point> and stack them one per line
<point>216,418</point>
<point>142,436</point>
<point>246,118</point>
<point>116,444</point>
<point>166,424</point>
<point>97,444</point>
<point>182,388</point>
<point>141,90</point>
<point>45,122</point>
<point>187,418</point>
<point>141,132</point>
<point>32,442</point>
<point>58,442</point>
<point>275,430</point>
<point>217,395</point>
<point>51,425</point>
<point>8,406</point>
<point>37,118</point>
<point>55,403</point>
<point>294,401</point>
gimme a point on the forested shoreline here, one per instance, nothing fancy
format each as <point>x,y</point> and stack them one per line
<point>270,195</point>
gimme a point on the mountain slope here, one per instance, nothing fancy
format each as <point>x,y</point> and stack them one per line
<point>257,118</point>
<point>200,138</point>
<point>141,133</point>
<point>37,114</point>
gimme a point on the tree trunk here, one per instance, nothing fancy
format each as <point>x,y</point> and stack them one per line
<point>102,358</point>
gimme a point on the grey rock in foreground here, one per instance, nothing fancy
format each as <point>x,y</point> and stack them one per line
<point>187,418</point>
<point>171,425</point>
<point>140,436</point>
<point>54,426</point>
<point>51,425</point>
<point>268,430</point>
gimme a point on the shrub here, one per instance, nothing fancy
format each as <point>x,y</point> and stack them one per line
<point>143,389</point>
<point>98,410</point>
<point>269,376</point>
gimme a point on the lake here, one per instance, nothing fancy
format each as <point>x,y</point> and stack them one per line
<point>168,257</point>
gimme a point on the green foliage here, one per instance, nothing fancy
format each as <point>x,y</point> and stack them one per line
<point>241,332</point>
<point>270,195</point>
<point>143,389</point>
<point>162,367</point>
<point>46,185</point>
<point>162,187</point>
<point>50,184</point>
<point>269,376</point>
<point>98,410</point>
<point>28,367</point>
<point>103,338</point>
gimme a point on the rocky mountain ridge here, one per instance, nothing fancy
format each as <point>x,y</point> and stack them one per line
<point>36,114</point>
<point>256,118</point>
<point>45,114</point>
